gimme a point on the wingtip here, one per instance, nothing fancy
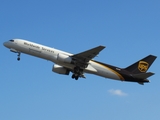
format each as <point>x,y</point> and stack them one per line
<point>102,46</point>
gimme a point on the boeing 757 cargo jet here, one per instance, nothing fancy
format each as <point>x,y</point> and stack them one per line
<point>83,62</point>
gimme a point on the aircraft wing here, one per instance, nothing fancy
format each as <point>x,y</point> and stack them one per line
<point>84,57</point>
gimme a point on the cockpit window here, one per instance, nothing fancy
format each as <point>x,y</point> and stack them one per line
<point>12,40</point>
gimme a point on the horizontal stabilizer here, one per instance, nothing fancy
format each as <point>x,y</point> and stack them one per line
<point>144,81</point>
<point>143,75</point>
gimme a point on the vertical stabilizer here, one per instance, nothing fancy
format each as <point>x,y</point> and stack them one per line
<point>142,65</point>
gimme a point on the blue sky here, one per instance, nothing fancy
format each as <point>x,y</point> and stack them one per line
<point>29,89</point>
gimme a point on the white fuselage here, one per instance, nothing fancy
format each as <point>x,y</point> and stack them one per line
<point>51,54</point>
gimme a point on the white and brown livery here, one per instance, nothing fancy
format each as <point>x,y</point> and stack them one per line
<point>83,62</point>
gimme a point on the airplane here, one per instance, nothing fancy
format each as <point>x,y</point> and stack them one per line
<point>83,62</point>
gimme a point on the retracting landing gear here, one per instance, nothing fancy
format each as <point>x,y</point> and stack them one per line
<point>77,73</point>
<point>18,56</point>
<point>74,76</point>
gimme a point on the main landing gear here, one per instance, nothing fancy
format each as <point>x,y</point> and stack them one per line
<point>74,76</point>
<point>18,56</point>
<point>77,73</point>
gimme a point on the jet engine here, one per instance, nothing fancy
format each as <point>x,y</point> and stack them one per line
<point>64,58</point>
<point>60,70</point>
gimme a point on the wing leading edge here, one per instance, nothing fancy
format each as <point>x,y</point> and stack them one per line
<point>86,56</point>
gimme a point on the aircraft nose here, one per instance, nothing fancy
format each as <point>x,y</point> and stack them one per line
<point>5,44</point>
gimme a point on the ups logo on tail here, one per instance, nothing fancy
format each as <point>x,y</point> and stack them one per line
<point>143,66</point>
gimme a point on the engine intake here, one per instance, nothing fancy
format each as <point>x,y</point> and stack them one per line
<point>60,70</point>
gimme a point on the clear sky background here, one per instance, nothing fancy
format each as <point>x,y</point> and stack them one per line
<point>29,90</point>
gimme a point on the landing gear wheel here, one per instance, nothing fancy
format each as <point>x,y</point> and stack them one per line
<point>18,59</point>
<point>76,77</point>
<point>77,72</point>
<point>73,76</point>
<point>18,56</point>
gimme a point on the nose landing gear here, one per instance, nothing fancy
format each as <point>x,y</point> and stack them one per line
<point>18,56</point>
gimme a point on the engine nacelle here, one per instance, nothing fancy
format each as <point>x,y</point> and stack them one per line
<point>64,58</point>
<point>60,70</point>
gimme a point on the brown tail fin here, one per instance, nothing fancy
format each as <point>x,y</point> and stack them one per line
<point>142,65</point>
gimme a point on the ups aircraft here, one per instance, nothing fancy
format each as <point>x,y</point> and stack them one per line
<point>81,63</point>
